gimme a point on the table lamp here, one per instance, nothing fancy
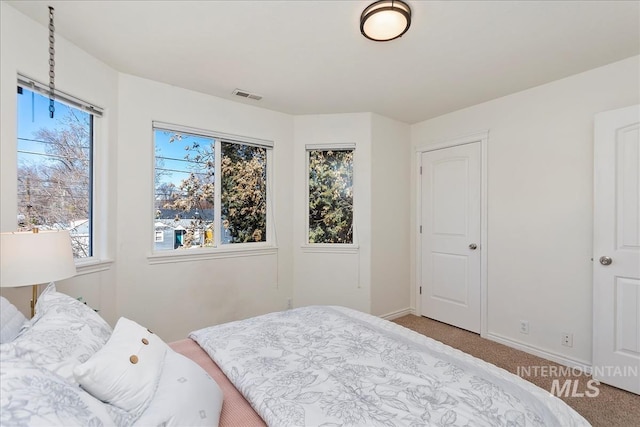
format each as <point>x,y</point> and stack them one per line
<point>35,257</point>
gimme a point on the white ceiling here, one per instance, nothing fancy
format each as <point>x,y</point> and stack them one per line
<point>308,57</point>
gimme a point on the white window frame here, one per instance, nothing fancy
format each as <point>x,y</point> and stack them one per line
<point>219,249</point>
<point>98,261</point>
<point>330,247</point>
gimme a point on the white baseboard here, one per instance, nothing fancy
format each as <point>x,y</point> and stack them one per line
<point>398,313</point>
<point>554,357</point>
<point>545,354</point>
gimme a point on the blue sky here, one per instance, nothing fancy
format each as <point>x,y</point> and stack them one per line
<point>175,150</point>
<point>33,114</point>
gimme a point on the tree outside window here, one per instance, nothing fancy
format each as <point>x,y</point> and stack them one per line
<point>244,193</point>
<point>55,169</point>
<point>190,196</point>
<point>331,196</point>
<point>184,190</point>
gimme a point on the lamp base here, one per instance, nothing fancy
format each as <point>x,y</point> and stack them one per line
<point>34,299</point>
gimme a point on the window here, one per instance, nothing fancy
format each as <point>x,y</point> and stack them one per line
<point>244,193</point>
<point>330,194</point>
<point>55,164</point>
<point>210,189</point>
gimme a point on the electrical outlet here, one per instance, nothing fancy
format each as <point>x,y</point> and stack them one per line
<point>524,326</point>
<point>567,339</point>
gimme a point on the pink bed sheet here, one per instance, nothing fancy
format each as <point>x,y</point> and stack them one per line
<point>236,411</point>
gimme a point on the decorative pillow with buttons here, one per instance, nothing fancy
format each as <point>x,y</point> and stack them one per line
<point>125,372</point>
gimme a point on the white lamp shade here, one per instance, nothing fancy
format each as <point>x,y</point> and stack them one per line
<point>28,258</point>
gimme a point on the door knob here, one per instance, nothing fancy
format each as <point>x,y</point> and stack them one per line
<point>605,260</point>
<point>473,246</point>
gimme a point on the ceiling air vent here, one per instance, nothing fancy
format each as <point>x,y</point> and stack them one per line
<point>245,94</point>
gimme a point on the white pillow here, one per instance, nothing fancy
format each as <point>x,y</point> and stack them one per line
<point>186,396</point>
<point>125,372</point>
<point>63,334</point>
<point>34,396</point>
<point>11,321</point>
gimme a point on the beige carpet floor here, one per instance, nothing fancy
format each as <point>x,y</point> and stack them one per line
<point>612,407</point>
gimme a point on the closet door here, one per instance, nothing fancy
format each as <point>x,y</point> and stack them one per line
<point>450,238</point>
<point>616,257</point>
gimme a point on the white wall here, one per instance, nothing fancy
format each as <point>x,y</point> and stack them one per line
<point>540,204</point>
<point>390,249</point>
<point>175,298</point>
<point>24,49</point>
<point>333,277</point>
<point>375,277</point>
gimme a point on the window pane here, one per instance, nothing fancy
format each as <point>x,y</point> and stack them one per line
<point>244,193</point>
<point>184,190</point>
<point>55,169</point>
<point>330,196</point>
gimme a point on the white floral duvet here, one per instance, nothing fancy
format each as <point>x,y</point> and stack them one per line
<point>333,366</point>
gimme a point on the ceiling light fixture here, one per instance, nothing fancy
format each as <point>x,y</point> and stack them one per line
<point>385,20</point>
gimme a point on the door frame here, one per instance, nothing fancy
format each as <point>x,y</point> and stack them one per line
<point>477,137</point>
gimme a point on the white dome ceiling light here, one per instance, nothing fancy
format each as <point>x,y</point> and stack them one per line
<point>385,20</point>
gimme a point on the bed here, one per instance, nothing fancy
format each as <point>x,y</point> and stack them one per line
<point>313,366</point>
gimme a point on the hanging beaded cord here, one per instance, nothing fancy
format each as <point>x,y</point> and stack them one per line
<point>52,63</point>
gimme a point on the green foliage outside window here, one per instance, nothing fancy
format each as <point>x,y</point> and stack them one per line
<point>330,196</point>
<point>244,192</point>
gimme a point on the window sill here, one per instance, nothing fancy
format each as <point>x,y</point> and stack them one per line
<point>330,249</point>
<point>206,253</point>
<point>92,265</point>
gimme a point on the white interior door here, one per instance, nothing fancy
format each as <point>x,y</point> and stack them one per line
<point>616,268</point>
<point>450,239</point>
